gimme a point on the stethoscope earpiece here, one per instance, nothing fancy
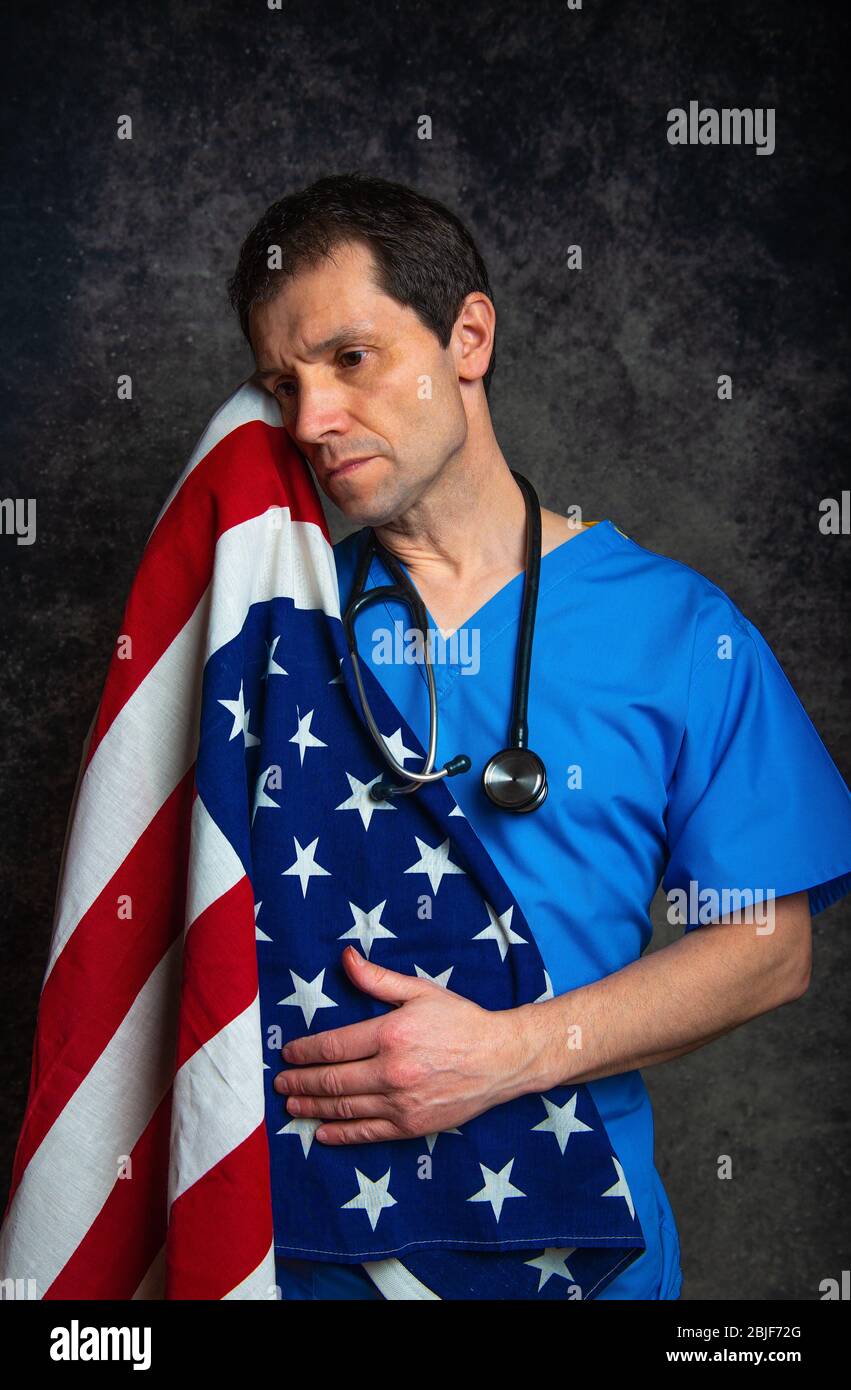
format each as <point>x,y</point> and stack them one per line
<point>515,779</point>
<point>382,791</point>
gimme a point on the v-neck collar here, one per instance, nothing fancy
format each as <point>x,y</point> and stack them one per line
<point>502,609</point>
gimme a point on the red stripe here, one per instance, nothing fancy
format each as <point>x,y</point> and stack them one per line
<point>220,977</point>
<point>221,1227</point>
<point>122,1242</point>
<point>177,563</point>
<point>103,966</point>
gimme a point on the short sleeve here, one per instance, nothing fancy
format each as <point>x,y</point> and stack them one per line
<point>756,804</point>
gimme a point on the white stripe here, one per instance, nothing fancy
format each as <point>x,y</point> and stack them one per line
<point>214,865</point>
<point>59,1196</point>
<point>73,809</point>
<point>248,402</point>
<point>218,1100</point>
<point>269,556</point>
<point>142,757</point>
<point>260,1283</point>
<point>153,740</point>
<point>398,1283</point>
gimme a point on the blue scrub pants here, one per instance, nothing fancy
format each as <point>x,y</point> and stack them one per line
<point>312,1279</point>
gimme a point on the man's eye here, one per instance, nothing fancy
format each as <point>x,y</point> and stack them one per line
<point>287,388</point>
<point>353,352</point>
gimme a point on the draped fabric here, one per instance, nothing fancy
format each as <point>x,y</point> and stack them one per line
<point>222,849</point>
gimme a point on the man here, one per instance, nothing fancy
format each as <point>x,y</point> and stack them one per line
<point>674,742</point>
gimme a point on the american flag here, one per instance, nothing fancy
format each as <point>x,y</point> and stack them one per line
<point>222,849</point>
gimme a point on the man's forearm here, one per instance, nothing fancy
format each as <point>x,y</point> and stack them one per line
<point>667,1003</point>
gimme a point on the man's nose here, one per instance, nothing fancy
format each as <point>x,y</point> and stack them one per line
<point>318,411</point>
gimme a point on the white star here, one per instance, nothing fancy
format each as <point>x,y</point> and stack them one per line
<point>434,862</point>
<point>258,934</point>
<point>261,796</point>
<point>396,747</point>
<point>500,931</point>
<point>308,996</point>
<point>620,1188</point>
<point>305,1128</point>
<point>497,1187</point>
<point>372,1197</point>
<point>272,667</point>
<point>241,716</point>
<point>303,737</point>
<point>561,1120</point>
<point>442,980</point>
<point>548,991</point>
<point>367,927</point>
<point>456,811</point>
<point>305,866</point>
<point>360,799</point>
<point>552,1262</point>
<point>431,1139</point>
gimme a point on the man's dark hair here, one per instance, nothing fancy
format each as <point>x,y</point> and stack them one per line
<point>425,257</point>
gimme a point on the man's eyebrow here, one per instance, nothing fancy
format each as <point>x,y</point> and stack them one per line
<point>342,335</point>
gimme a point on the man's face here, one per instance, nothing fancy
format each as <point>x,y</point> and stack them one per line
<point>357,375</point>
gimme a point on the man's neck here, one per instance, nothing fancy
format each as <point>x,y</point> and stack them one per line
<point>470,524</point>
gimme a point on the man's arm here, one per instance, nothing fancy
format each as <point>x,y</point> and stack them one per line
<point>670,1002</point>
<point>438,1059</point>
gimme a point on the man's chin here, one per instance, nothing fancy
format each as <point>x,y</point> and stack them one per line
<point>360,500</point>
<point>359,512</point>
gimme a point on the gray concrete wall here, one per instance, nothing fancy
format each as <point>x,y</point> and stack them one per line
<point>549,129</point>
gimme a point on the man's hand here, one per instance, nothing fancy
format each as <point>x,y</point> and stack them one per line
<point>433,1062</point>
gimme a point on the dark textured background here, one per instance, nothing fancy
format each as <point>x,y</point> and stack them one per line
<point>549,129</point>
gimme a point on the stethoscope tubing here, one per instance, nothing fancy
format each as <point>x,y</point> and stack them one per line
<point>428,774</point>
<point>519,726</point>
<point>404,591</point>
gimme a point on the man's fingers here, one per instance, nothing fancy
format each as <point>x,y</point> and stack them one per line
<point>358,1132</point>
<point>347,1079</point>
<point>345,1044</point>
<point>392,986</point>
<point>370,1107</point>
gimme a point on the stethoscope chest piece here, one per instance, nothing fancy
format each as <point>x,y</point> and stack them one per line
<point>515,779</point>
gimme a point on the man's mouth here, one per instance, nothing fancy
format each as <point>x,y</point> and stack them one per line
<point>349,465</point>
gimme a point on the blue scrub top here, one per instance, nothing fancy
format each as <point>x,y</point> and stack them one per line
<point>675,748</point>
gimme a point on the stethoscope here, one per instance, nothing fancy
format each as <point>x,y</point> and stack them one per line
<point>515,778</point>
